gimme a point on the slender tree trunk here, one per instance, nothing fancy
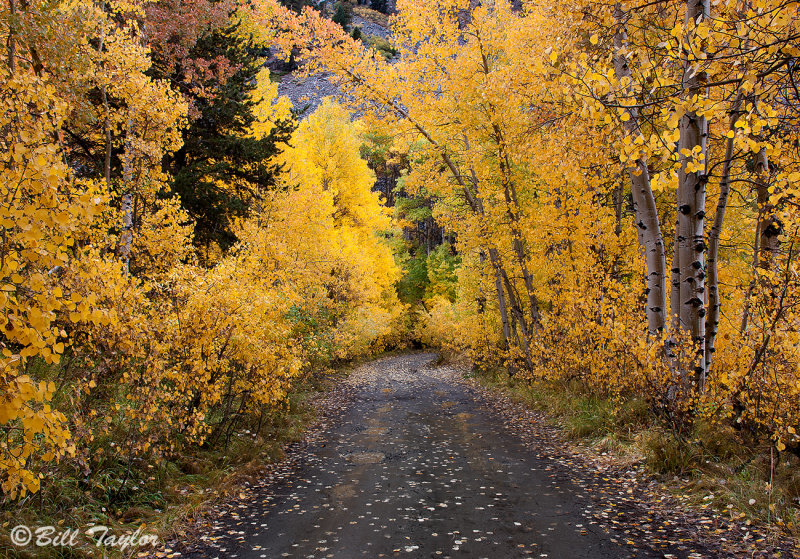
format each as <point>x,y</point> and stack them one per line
<point>126,206</point>
<point>616,199</point>
<point>107,127</point>
<point>512,204</point>
<point>127,228</point>
<point>12,39</point>
<point>770,226</point>
<point>518,314</point>
<point>428,233</point>
<point>647,224</point>
<point>712,282</point>
<point>501,301</point>
<point>107,112</point>
<point>512,210</point>
<point>675,283</point>
<point>501,278</point>
<point>752,285</point>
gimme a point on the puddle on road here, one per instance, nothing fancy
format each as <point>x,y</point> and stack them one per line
<point>448,404</point>
<point>464,416</point>
<point>377,431</point>
<point>366,457</point>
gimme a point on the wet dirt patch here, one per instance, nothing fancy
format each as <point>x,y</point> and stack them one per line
<point>342,492</point>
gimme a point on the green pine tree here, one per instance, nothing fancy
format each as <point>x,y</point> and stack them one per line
<point>217,149</point>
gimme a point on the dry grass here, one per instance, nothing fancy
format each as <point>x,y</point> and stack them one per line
<point>373,16</point>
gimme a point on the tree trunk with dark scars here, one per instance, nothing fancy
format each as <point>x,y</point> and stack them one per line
<point>692,178</point>
<point>644,203</point>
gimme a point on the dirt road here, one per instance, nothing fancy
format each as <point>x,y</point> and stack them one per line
<point>417,468</point>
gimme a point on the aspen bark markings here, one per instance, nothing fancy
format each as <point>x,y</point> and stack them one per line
<point>691,246</point>
<point>646,213</point>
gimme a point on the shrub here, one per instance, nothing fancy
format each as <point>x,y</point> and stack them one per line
<point>382,46</point>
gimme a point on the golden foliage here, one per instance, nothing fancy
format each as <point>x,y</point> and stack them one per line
<point>116,342</point>
<point>529,137</point>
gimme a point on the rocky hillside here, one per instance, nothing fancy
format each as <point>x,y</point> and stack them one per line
<point>308,92</point>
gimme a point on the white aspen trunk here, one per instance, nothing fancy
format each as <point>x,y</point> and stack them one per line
<point>766,242</point>
<point>691,206</point>
<point>127,228</point>
<point>106,110</point>
<point>12,39</point>
<point>648,228</point>
<point>616,198</point>
<point>675,282</point>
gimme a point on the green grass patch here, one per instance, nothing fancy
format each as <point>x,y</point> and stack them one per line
<point>580,413</point>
